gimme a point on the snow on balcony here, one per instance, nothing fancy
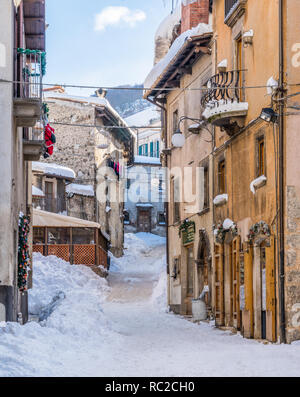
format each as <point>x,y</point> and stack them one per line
<point>216,110</point>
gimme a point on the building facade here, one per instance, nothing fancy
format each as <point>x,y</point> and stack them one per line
<point>248,100</point>
<point>94,141</point>
<point>20,109</point>
<point>145,186</point>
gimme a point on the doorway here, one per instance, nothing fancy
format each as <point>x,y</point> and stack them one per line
<point>144,220</point>
<point>189,279</point>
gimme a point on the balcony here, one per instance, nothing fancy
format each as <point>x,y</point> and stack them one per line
<point>222,102</point>
<point>33,143</point>
<point>234,9</point>
<point>30,65</point>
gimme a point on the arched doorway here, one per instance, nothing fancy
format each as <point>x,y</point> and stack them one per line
<point>204,275</point>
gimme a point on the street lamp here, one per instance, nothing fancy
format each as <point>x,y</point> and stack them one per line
<point>178,138</point>
<point>268,115</point>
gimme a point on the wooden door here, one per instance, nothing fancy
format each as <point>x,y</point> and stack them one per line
<point>235,273</point>
<point>190,279</point>
<point>219,284</point>
<point>144,221</point>
<point>248,313</point>
<point>270,293</point>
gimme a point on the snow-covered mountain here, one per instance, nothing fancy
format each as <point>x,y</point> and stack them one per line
<point>128,102</point>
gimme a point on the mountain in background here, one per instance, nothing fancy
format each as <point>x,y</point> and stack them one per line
<point>127,102</point>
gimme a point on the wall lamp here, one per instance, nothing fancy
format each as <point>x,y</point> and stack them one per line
<point>178,138</point>
<point>268,115</point>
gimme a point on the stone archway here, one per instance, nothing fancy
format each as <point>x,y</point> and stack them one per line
<point>204,270</point>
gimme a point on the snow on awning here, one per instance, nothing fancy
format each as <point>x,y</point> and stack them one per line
<point>49,219</point>
<point>37,192</point>
<point>53,170</point>
<point>81,190</point>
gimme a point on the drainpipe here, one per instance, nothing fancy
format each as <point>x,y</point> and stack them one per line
<point>281,177</point>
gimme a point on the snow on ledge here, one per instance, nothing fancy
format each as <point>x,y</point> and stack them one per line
<point>221,199</point>
<point>81,190</point>
<point>228,224</point>
<point>214,109</point>
<point>257,183</point>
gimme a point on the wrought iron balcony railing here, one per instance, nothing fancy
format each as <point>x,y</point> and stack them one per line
<point>30,69</point>
<point>223,88</point>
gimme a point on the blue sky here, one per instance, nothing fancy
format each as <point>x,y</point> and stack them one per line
<point>119,52</point>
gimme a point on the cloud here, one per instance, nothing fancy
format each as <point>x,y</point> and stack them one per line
<point>113,16</point>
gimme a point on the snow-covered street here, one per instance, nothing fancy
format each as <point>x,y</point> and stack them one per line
<point>120,328</point>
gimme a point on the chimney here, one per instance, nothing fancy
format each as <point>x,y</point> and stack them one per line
<point>193,13</point>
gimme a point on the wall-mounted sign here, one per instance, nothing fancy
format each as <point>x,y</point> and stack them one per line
<point>188,230</point>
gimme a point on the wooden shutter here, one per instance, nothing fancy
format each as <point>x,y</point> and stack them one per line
<point>219,284</point>
<point>151,149</point>
<point>248,314</point>
<point>236,311</point>
<point>270,294</point>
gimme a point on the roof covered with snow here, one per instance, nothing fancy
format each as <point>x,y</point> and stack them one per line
<point>144,118</point>
<point>201,31</point>
<point>54,170</point>
<point>82,190</point>
<point>91,101</point>
<point>37,192</point>
<point>147,160</point>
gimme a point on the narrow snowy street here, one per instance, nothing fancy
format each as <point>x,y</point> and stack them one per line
<point>89,328</point>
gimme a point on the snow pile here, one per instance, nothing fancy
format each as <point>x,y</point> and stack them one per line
<point>165,29</point>
<point>159,296</point>
<point>67,301</point>
<point>178,44</point>
<point>81,190</point>
<point>137,246</point>
<point>53,169</point>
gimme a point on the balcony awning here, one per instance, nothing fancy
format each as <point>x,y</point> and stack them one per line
<point>49,219</point>
<point>34,20</point>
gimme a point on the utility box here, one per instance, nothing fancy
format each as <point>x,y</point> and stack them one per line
<point>199,310</point>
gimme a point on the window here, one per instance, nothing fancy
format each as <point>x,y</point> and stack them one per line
<point>206,187</point>
<point>175,121</point>
<point>176,200</point>
<point>128,184</point>
<point>126,218</point>
<point>151,149</point>
<point>143,150</point>
<point>229,4</point>
<point>49,197</point>
<point>261,156</point>
<point>239,64</point>
<point>221,177</point>
<point>161,218</point>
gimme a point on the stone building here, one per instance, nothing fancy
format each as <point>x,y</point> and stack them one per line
<point>20,109</point>
<point>244,246</point>
<point>145,190</point>
<point>94,141</point>
<point>145,197</point>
